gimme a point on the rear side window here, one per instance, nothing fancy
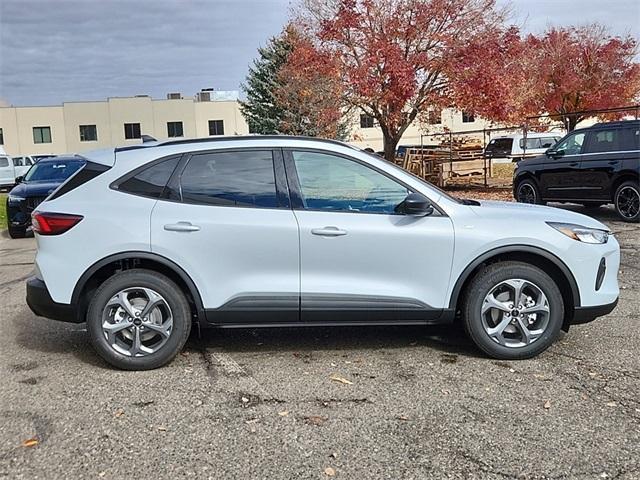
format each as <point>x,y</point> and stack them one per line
<point>500,146</point>
<point>630,139</point>
<point>4,162</point>
<point>603,141</point>
<point>239,178</point>
<point>150,181</point>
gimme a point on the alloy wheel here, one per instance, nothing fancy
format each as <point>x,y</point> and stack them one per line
<point>515,313</point>
<point>526,193</point>
<point>137,321</point>
<point>628,202</point>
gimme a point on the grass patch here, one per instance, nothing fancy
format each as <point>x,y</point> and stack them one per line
<point>3,211</point>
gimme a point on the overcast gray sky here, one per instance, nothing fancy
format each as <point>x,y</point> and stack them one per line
<point>69,50</point>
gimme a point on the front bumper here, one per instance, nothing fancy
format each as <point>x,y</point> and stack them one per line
<point>589,314</point>
<point>41,303</point>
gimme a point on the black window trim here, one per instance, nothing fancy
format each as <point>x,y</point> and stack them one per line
<point>282,191</point>
<point>115,185</point>
<point>295,192</point>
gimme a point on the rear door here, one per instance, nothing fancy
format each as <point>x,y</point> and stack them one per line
<point>561,178</point>
<point>360,260</point>
<point>606,152</point>
<point>226,221</point>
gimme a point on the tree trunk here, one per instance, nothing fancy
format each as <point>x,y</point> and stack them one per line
<point>571,121</point>
<point>390,143</point>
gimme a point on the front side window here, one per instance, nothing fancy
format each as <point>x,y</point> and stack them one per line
<point>131,130</point>
<point>41,134</point>
<point>18,161</point>
<point>230,179</point>
<point>571,145</point>
<point>151,181</point>
<point>216,127</point>
<point>174,129</point>
<point>88,133</point>
<point>329,182</point>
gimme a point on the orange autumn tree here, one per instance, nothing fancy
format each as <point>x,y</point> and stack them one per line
<point>310,92</point>
<point>396,57</point>
<point>577,69</point>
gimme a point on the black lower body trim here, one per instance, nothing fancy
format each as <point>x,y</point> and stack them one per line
<point>41,303</point>
<point>589,314</point>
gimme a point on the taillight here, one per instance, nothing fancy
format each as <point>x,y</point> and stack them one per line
<point>53,223</point>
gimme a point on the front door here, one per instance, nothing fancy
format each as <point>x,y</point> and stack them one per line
<point>360,260</point>
<point>229,225</point>
<point>561,178</point>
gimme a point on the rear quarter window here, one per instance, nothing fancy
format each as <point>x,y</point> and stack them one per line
<point>149,180</point>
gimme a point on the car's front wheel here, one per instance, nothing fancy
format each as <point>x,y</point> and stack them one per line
<point>513,310</point>
<point>138,320</point>
<point>527,192</point>
<point>627,201</point>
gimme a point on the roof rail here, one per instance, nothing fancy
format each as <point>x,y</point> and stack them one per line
<point>227,138</point>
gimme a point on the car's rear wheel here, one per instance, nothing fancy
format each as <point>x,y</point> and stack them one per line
<point>513,310</point>
<point>17,232</point>
<point>527,192</point>
<point>138,320</point>
<point>627,201</point>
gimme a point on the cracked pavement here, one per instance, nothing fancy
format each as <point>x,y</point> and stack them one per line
<point>422,402</point>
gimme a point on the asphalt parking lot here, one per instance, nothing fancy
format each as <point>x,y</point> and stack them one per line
<point>403,403</point>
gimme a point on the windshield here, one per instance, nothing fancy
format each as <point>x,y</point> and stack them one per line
<point>52,171</point>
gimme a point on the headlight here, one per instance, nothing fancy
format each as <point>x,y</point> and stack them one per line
<point>580,233</point>
<point>15,199</point>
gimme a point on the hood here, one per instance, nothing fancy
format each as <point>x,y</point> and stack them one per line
<point>524,211</point>
<point>34,189</point>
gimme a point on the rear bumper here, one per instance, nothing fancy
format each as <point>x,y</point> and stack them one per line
<point>589,314</point>
<point>41,303</point>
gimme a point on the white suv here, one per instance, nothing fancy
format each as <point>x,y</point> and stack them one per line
<point>284,231</point>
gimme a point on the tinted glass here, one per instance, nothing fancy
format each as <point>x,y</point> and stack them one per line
<point>500,146</point>
<point>630,139</point>
<point>328,182</point>
<point>603,141</point>
<point>571,144</point>
<point>53,171</point>
<point>151,181</point>
<point>4,161</point>
<point>244,179</point>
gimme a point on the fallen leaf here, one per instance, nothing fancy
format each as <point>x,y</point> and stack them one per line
<point>119,412</point>
<point>547,404</point>
<point>244,400</point>
<point>31,442</point>
<point>283,413</point>
<point>512,370</point>
<point>329,472</point>
<point>316,420</point>
<point>162,429</point>
<point>612,404</point>
<point>339,379</point>
<point>334,455</point>
<point>403,418</point>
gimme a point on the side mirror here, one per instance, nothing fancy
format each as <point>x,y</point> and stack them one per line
<point>19,179</point>
<point>555,153</point>
<point>416,205</point>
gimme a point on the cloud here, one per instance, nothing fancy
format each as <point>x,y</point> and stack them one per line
<point>69,50</point>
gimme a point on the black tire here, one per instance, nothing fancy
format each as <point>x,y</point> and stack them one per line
<point>176,300</point>
<point>627,201</point>
<point>17,232</point>
<point>484,283</point>
<point>527,191</point>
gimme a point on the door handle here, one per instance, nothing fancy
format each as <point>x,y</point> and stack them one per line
<point>574,164</point>
<point>328,232</point>
<point>613,162</point>
<point>181,227</point>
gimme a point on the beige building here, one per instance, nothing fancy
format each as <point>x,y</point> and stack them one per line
<point>74,127</point>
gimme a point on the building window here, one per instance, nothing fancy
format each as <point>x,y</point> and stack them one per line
<point>41,134</point>
<point>1,137</point>
<point>435,117</point>
<point>88,133</point>
<point>366,121</point>
<point>216,127</point>
<point>468,117</point>
<point>131,130</point>
<point>174,129</point>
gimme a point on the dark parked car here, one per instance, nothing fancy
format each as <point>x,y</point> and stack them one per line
<point>592,166</point>
<point>41,179</point>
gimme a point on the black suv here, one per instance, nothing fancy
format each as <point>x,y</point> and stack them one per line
<point>592,166</point>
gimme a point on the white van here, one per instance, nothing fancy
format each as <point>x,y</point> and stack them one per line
<point>511,148</point>
<point>10,168</point>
